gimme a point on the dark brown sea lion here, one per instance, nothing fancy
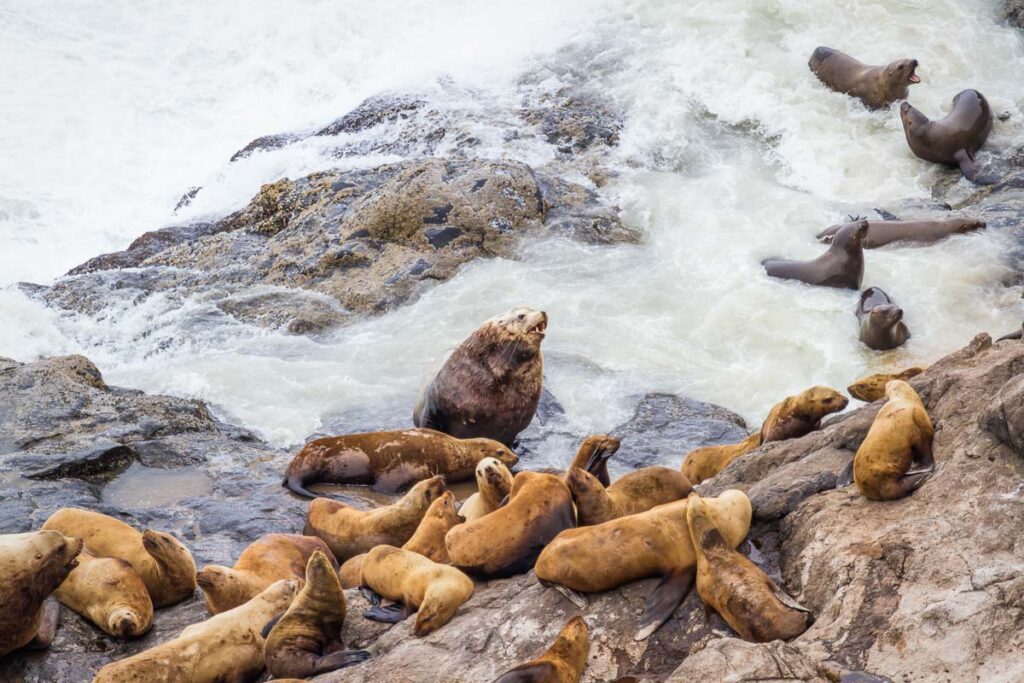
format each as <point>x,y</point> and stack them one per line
<point>881,233</point>
<point>881,321</point>
<point>108,592</point>
<point>875,86</point>
<point>634,492</point>
<point>1019,334</point>
<point>841,266</point>
<point>707,461</point>
<point>490,386</point>
<point>795,416</point>
<point>872,387</point>
<point>954,139</point>
<point>563,662</point>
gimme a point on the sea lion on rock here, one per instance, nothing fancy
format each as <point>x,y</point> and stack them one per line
<point>872,387</point>
<point>875,86</point>
<point>563,662</point>
<point>798,415</point>
<point>389,460</point>
<point>881,321</point>
<point>954,139</point>
<point>493,483</point>
<point>635,492</point>
<point>705,462</point>
<point>841,266</point>
<point>881,233</point>
<point>490,385</point>
<point>110,594</point>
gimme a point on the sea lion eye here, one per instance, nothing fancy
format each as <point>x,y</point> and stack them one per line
<point>522,316</point>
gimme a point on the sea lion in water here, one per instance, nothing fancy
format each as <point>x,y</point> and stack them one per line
<point>389,460</point>
<point>637,491</point>
<point>164,564</point>
<point>732,585</point>
<point>841,266</point>
<point>349,532</point>
<point>493,483</point>
<point>563,662</point>
<point>490,385</point>
<point>881,233</point>
<point>32,566</point>
<point>267,559</point>
<point>954,139</point>
<point>896,456</point>
<point>798,415</point>
<point>872,387</point>
<point>653,543</point>
<point>508,540</point>
<point>875,86</point>
<point>881,321</point>
<point>705,462</point>
<point>108,592</point>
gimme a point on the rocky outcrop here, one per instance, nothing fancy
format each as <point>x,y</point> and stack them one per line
<point>1013,10</point>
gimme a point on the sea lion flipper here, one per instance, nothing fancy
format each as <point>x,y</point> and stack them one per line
<point>786,599</point>
<point>845,477</point>
<point>269,626</point>
<point>664,600</point>
<point>911,481</point>
<point>575,597</point>
<point>370,596</point>
<point>296,485</point>
<point>392,614</point>
<point>48,622</point>
<point>827,234</point>
<point>339,660</point>
<point>972,169</point>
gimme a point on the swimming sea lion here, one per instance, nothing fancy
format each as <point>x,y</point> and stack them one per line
<point>108,592</point>
<point>798,415</point>
<point>881,321</point>
<point>954,139</point>
<point>493,482</point>
<point>872,387</point>
<point>563,662</point>
<point>896,456</point>
<point>267,559</point>
<point>490,385</point>
<point>881,233</point>
<point>875,86</point>
<point>732,585</point>
<point>707,461</point>
<point>349,532</point>
<point>841,266</point>
<point>637,491</point>
<point>161,561</point>
<point>507,541</point>
<point>389,460</point>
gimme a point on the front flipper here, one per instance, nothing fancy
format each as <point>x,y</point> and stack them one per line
<point>339,660</point>
<point>370,596</point>
<point>845,477</point>
<point>972,169</point>
<point>270,625</point>
<point>662,602</point>
<point>49,619</point>
<point>575,597</point>
<point>392,614</point>
<point>787,599</point>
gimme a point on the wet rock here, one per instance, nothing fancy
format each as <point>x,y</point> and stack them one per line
<point>731,659</point>
<point>291,310</point>
<point>102,459</point>
<point>1013,10</point>
<point>143,247</point>
<point>1005,416</point>
<point>266,142</point>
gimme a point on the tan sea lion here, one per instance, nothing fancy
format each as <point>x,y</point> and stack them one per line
<point>389,460</point>
<point>267,559</point>
<point>164,564</point>
<point>637,491</point>
<point>896,456</point>
<point>881,321</point>
<point>797,415</point>
<point>507,541</point>
<point>490,385</point>
<point>108,592</point>
<point>875,86</point>
<point>954,139</point>
<point>226,647</point>
<point>349,532</point>
<point>707,461</point>
<point>494,483</point>
<point>732,585</point>
<point>563,662</point>
<point>881,233</point>
<point>872,387</point>
<point>841,266</point>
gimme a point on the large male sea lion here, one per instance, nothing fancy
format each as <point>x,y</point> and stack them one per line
<point>493,483</point>
<point>881,321</point>
<point>954,139</point>
<point>798,415</point>
<point>841,266</point>
<point>110,594</point>
<point>637,491</point>
<point>490,385</point>
<point>875,86</point>
<point>563,662</point>
<point>872,387</point>
<point>389,460</point>
<point>881,233</point>
<point>707,461</point>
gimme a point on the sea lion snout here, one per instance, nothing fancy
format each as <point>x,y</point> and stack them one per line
<point>890,313</point>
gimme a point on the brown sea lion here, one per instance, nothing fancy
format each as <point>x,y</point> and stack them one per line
<point>841,266</point>
<point>389,460</point>
<point>349,532</point>
<point>798,415</point>
<point>732,585</point>
<point>493,482</point>
<point>226,647</point>
<point>161,561</point>
<point>32,566</point>
<point>881,233</point>
<point>267,559</point>
<point>875,86</point>
<point>653,543</point>
<point>872,387</point>
<point>637,491</point>
<point>108,592</point>
<point>896,456</point>
<point>490,385</point>
<point>954,139</point>
<point>507,541</point>
<point>707,461</point>
<point>881,321</point>
<point>435,591</point>
<point>563,662</point>
<point>1019,334</point>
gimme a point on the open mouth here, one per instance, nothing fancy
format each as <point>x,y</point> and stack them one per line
<point>913,77</point>
<point>540,328</point>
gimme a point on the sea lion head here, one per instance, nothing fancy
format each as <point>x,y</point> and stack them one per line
<point>494,450</point>
<point>897,388</point>
<point>821,401</point>
<point>223,587</point>
<point>175,560</point>
<point>443,509</point>
<point>886,315</point>
<point>703,531</point>
<point>56,554</point>
<point>495,473</point>
<point>901,72</point>
<point>427,490</point>
<point>125,622</point>
<point>523,326</point>
<point>913,120</point>
<point>969,224</point>
<point>319,570</point>
<point>851,236</point>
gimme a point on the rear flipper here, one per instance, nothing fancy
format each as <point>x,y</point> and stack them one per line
<point>911,481</point>
<point>392,614</point>
<point>575,597</point>
<point>972,169</point>
<point>370,596</point>
<point>339,660</point>
<point>662,602</point>
<point>845,477</point>
<point>48,623</point>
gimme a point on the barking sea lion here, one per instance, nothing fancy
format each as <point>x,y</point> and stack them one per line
<point>875,86</point>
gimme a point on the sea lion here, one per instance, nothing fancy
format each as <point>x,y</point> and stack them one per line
<point>732,585</point>
<point>493,482</point>
<point>881,321</point>
<point>507,541</point>
<point>226,647</point>
<point>490,385</point>
<point>110,594</point>
<point>563,662</point>
<point>707,461</point>
<point>875,86</point>
<point>798,415</point>
<point>841,266</point>
<point>637,491</point>
<point>896,456</point>
<point>872,387</point>
<point>1019,334</point>
<point>435,591</point>
<point>267,559</point>
<point>389,460</point>
<point>32,566</point>
<point>349,532</point>
<point>653,543</point>
<point>954,139</point>
<point>306,639</point>
<point>881,233</point>
<point>161,561</point>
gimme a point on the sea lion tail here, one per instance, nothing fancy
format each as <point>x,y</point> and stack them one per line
<point>295,484</point>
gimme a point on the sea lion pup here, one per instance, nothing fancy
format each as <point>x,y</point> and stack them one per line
<point>707,461</point>
<point>881,321</point>
<point>267,559</point>
<point>32,566</point>
<point>563,662</point>
<point>226,647</point>
<point>490,385</point>
<point>349,532</point>
<point>161,561</point>
<point>493,483</point>
<point>108,592</point>
<point>872,387</point>
<point>954,139</point>
<point>732,585</point>
<point>306,640</point>
<point>653,543</point>
<point>875,86</point>
<point>507,541</point>
<point>637,491</point>
<point>798,415</point>
<point>389,460</point>
<point>433,590</point>
<point>881,233</point>
<point>841,266</point>
<point>896,456</point>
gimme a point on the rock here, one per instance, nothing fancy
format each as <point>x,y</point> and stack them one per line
<point>1013,10</point>
<point>1005,416</point>
<point>731,660</point>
